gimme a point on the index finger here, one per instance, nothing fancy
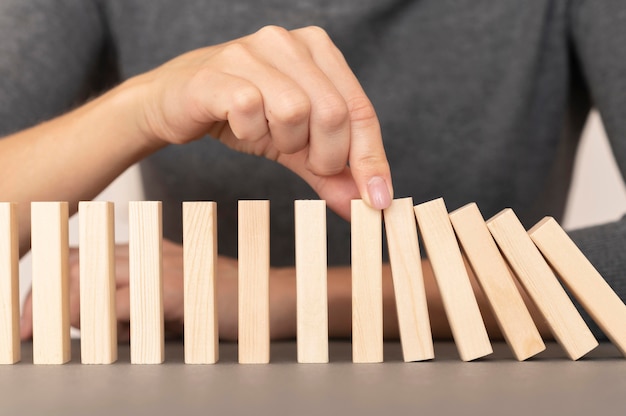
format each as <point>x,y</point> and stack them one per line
<point>367,158</point>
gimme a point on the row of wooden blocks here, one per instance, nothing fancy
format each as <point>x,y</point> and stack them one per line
<point>500,251</point>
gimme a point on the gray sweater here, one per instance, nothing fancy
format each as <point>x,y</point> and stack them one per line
<point>479,100</point>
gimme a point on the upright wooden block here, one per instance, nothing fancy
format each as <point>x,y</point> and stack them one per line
<point>9,285</point>
<point>565,322</point>
<point>311,281</point>
<point>254,266</point>
<point>466,323</point>
<point>50,290</point>
<point>145,242</point>
<point>98,323</point>
<point>408,281</point>
<point>582,279</point>
<point>200,261</point>
<point>497,283</point>
<point>367,286</point>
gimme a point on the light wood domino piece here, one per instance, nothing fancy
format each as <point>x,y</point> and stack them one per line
<point>311,281</point>
<point>408,281</point>
<point>254,266</point>
<point>367,291</point>
<point>50,289</point>
<point>466,323</point>
<point>200,302</point>
<point>98,323</point>
<point>146,282</point>
<point>582,279</point>
<point>9,285</point>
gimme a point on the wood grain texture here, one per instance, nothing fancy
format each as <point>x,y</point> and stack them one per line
<point>367,291</point>
<point>311,281</point>
<point>98,323</point>
<point>145,241</point>
<point>200,290</point>
<point>9,285</point>
<point>408,281</point>
<point>496,282</point>
<point>50,290</point>
<point>582,279</point>
<point>254,266</point>
<point>466,323</point>
<point>541,284</point>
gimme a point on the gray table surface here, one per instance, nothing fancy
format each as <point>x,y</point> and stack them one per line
<point>547,384</point>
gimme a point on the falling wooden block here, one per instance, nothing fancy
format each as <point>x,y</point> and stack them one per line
<point>496,282</point>
<point>254,266</point>
<point>200,297</point>
<point>98,323</point>
<point>541,284</point>
<point>408,281</point>
<point>367,286</point>
<point>50,289</point>
<point>311,281</point>
<point>145,264</point>
<point>468,328</point>
<point>582,279</point>
<point>9,285</point>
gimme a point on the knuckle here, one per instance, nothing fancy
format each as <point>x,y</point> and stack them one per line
<point>273,33</point>
<point>247,100</point>
<point>331,112</point>
<point>362,111</point>
<point>316,33</point>
<point>291,110</point>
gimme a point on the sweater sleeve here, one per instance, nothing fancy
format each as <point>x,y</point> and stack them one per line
<point>50,54</point>
<point>598,30</point>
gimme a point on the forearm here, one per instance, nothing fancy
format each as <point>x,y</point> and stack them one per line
<point>72,157</point>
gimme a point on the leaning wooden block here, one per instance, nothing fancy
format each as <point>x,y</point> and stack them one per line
<point>542,286</point>
<point>582,279</point>
<point>367,284</point>
<point>200,294</point>
<point>50,290</point>
<point>9,285</point>
<point>98,323</point>
<point>145,242</point>
<point>254,266</point>
<point>466,323</point>
<point>408,281</point>
<point>496,282</point>
<point>311,281</point>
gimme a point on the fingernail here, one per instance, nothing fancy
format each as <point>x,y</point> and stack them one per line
<point>378,193</point>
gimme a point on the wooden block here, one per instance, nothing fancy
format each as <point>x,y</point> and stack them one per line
<point>9,285</point>
<point>311,281</point>
<point>582,279</point>
<point>145,242</point>
<point>367,286</point>
<point>468,328</point>
<point>254,266</point>
<point>496,282</point>
<point>408,281</point>
<point>98,323</point>
<point>50,289</point>
<point>200,262</point>
<point>533,272</point>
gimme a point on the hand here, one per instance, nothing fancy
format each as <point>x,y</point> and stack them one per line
<point>282,296</point>
<point>286,95</point>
